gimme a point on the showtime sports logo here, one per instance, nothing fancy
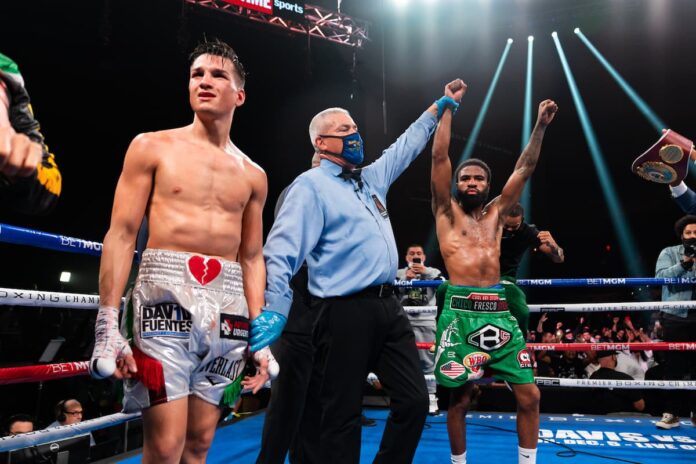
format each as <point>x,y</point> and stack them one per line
<point>288,6</point>
<point>267,6</point>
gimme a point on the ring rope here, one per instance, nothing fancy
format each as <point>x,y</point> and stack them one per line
<point>603,346</point>
<point>39,239</point>
<point>41,372</point>
<point>20,297</point>
<point>580,307</point>
<point>581,282</point>
<point>62,432</point>
<point>587,383</point>
<point>67,431</point>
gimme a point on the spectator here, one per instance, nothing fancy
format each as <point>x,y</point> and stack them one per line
<point>592,363</point>
<point>20,423</point>
<point>615,399</point>
<point>68,412</point>
<point>518,237</point>
<point>423,324</point>
<point>569,366</point>
<point>679,324</point>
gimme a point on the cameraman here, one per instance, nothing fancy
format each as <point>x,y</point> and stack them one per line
<point>679,324</point>
<point>423,323</point>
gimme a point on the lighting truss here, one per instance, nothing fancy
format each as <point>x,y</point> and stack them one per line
<point>319,22</point>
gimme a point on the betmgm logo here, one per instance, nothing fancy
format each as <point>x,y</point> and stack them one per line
<point>289,6</point>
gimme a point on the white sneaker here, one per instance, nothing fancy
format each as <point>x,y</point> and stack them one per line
<point>668,421</point>
<point>432,408</point>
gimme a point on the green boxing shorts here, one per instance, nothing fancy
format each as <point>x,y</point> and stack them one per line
<point>475,332</point>
<point>517,302</point>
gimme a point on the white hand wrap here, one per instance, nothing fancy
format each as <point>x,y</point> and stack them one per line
<point>273,367</point>
<point>109,344</point>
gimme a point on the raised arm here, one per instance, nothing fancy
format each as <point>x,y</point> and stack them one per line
<point>528,159</point>
<point>550,248</point>
<point>251,247</point>
<point>395,159</point>
<point>441,172</point>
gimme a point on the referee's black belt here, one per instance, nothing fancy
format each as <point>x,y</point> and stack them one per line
<point>376,291</point>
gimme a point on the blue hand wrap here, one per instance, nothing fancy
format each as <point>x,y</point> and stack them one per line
<point>266,329</point>
<point>446,102</point>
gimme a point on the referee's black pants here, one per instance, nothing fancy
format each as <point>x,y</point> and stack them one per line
<point>289,424</point>
<point>354,335</point>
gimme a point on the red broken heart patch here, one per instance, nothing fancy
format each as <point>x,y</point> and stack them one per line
<point>204,270</point>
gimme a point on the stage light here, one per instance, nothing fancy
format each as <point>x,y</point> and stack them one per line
<point>400,3</point>
<point>632,261</point>
<point>65,276</point>
<point>469,148</point>
<point>526,199</point>
<point>656,122</point>
<point>576,30</point>
<point>554,34</point>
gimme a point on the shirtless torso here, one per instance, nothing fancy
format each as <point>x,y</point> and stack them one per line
<point>199,193</point>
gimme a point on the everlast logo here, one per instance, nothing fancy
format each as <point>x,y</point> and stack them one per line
<point>234,327</point>
<point>165,320</point>
<point>224,367</point>
<point>288,6</point>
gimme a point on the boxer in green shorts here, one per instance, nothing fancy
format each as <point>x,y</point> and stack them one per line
<point>476,329</point>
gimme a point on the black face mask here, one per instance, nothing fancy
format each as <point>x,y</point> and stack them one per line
<point>689,247</point>
<point>470,202</point>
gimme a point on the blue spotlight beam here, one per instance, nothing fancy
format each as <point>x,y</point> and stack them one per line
<point>654,119</point>
<point>657,123</point>
<point>469,148</point>
<point>627,243</point>
<point>527,120</point>
<point>526,198</point>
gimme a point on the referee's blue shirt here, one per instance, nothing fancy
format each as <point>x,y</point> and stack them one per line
<point>342,232</point>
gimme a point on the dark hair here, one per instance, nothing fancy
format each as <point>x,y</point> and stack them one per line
<point>217,47</point>
<point>681,224</point>
<point>18,418</point>
<point>472,162</point>
<point>516,211</point>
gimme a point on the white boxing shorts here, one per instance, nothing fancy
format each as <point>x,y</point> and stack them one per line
<point>188,323</point>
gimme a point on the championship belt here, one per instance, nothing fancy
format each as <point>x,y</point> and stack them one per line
<point>667,161</point>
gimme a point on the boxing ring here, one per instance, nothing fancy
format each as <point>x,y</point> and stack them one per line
<point>575,438</point>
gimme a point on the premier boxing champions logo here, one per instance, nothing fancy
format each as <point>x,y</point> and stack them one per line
<point>164,320</point>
